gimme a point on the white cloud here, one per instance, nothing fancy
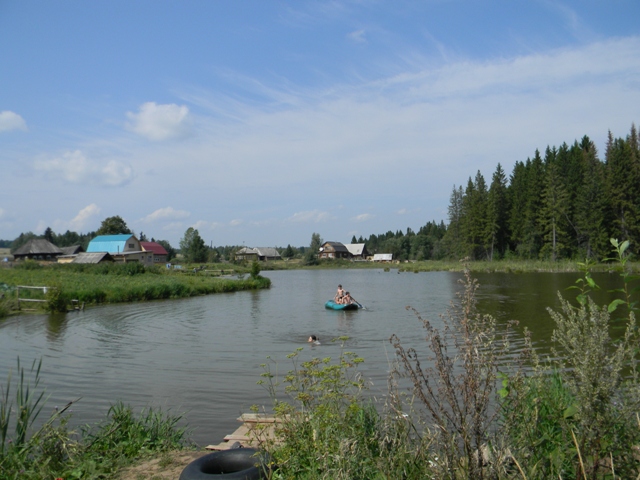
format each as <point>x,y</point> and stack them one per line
<point>311,216</point>
<point>363,217</point>
<point>81,221</point>
<point>358,36</point>
<point>167,213</point>
<point>75,167</point>
<point>201,225</point>
<point>160,122</point>
<point>235,222</point>
<point>11,121</point>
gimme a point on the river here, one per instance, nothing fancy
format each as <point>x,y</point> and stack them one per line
<point>201,356</point>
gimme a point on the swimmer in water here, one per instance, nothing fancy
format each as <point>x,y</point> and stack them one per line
<point>314,340</point>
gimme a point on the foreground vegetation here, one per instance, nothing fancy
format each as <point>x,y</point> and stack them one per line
<point>92,452</point>
<point>115,283</point>
<point>472,411</point>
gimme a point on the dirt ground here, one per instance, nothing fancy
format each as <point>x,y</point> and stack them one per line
<point>167,467</point>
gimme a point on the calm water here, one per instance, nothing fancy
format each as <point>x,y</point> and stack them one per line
<point>202,356</point>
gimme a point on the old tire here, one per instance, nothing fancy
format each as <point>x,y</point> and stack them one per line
<point>234,464</point>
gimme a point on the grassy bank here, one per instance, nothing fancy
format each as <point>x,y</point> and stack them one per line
<point>115,283</point>
<point>97,451</point>
<point>506,266</point>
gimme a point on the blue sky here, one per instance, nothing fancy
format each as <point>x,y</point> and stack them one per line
<point>261,122</point>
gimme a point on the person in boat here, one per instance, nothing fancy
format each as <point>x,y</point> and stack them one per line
<point>339,295</point>
<point>313,340</point>
<point>347,300</point>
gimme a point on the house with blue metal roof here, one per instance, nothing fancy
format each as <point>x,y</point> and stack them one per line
<point>121,243</point>
<point>123,248</point>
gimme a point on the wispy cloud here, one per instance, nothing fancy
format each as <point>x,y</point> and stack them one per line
<point>84,218</point>
<point>311,216</point>
<point>166,213</point>
<point>74,167</point>
<point>358,36</point>
<point>363,217</point>
<point>11,121</point>
<point>159,122</point>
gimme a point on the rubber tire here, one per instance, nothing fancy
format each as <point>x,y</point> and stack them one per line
<point>234,464</point>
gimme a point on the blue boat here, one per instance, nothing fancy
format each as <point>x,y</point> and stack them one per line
<point>339,306</point>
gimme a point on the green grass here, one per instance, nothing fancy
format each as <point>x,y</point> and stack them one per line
<point>94,452</point>
<point>97,284</point>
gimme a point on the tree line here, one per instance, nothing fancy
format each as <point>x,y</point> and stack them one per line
<point>566,204</point>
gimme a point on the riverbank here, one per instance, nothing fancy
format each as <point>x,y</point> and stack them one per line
<point>485,266</point>
<point>70,287</point>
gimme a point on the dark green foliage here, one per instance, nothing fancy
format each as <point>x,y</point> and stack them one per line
<point>113,226</point>
<point>192,247</point>
<point>565,206</point>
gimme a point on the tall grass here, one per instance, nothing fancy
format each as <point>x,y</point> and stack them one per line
<point>95,451</point>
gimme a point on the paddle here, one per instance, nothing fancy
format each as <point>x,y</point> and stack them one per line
<point>358,303</point>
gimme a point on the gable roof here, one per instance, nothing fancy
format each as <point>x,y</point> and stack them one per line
<point>154,247</point>
<point>337,246</point>
<point>260,251</point>
<point>38,246</point>
<point>109,243</point>
<point>267,252</point>
<point>73,250</point>
<point>355,248</point>
<point>93,257</point>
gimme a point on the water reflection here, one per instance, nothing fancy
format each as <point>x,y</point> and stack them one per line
<point>56,327</point>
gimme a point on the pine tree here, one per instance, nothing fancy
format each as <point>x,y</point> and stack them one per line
<point>553,214</point>
<point>497,210</point>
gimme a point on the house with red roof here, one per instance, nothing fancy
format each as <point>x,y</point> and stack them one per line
<point>159,253</point>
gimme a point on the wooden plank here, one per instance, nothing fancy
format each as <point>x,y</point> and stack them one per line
<point>257,418</point>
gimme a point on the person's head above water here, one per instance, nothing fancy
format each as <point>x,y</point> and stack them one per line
<point>313,339</point>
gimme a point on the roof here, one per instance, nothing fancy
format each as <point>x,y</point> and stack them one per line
<point>109,243</point>
<point>92,257</point>
<point>267,252</point>
<point>260,251</point>
<point>72,250</point>
<point>154,247</point>
<point>383,256</point>
<point>38,246</point>
<point>247,251</point>
<point>355,248</point>
<point>337,246</point>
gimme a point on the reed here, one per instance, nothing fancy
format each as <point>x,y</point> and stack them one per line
<point>95,451</point>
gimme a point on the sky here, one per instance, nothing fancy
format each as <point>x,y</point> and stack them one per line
<point>262,122</point>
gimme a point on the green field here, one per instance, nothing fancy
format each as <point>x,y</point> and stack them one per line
<point>115,283</point>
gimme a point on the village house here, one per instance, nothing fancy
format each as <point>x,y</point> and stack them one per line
<point>160,254</point>
<point>38,249</point>
<point>333,250</point>
<point>358,251</point>
<point>122,247</point>
<point>258,253</point>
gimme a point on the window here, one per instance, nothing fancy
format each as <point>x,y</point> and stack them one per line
<point>131,245</point>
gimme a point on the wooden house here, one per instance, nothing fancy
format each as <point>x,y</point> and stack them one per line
<point>38,249</point>
<point>123,247</point>
<point>333,250</point>
<point>358,251</point>
<point>257,253</point>
<point>160,254</point>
